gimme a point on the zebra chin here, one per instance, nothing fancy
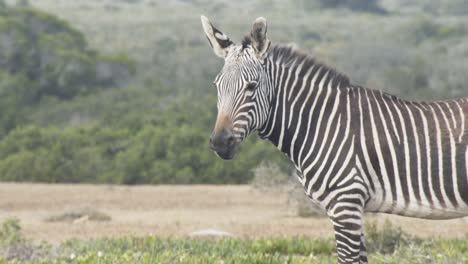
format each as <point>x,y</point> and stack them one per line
<point>226,154</point>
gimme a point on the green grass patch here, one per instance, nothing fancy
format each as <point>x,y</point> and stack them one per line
<point>390,245</point>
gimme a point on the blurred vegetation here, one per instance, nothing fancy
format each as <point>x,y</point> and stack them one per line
<point>385,240</point>
<point>43,56</point>
<point>10,232</point>
<point>91,92</point>
<point>356,5</point>
<point>153,249</point>
<point>79,215</point>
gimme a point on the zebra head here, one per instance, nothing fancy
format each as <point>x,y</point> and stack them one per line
<point>242,85</point>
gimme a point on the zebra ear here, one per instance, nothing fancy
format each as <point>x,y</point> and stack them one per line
<point>260,42</point>
<point>217,39</point>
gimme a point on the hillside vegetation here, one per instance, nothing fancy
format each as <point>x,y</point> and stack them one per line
<point>120,91</point>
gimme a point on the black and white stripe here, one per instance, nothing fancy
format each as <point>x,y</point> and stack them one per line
<point>356,150</point>
<point>363,150</point>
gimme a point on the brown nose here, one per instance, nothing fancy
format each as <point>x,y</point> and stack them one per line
<point>222,141</point>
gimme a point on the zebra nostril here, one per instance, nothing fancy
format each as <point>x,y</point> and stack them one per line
<point>231,140</point>
<point>222,141</point>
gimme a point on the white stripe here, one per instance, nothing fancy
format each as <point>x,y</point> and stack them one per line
<point>412,201</point>
<point>298,94</point>
<point>312,111</point>
<point>283,118</point>
<point>452,115</point>
<point>337,154</point>
<point>399,201</point>
<point>462,126</point>
<point>339,193</point>
<point>278,98</point>
<point>365,181</point>
<point>389,195</point>
<point>391,116</point>
<point>325,179</point>
<point>325,136</point>
<point>319,171</point>
<point>319,122</point>
<point>453,161</point>
<point>292,88</point>
<point>422,196</point>
<point>379,194</point>
<point>435,201</point>
<point>440,157</point>
<point>301,110</point>
<point>296,78</point>
<point>351,175</point>
<point>344,164</point>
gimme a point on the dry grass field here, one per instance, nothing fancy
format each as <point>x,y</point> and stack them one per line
<point>175,211</point>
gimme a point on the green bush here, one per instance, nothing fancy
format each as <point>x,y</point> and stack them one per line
<point>10,232</point>
<point>154,154</point>
<point>41,56</point>
<point>14,95</point>
<point>54,155</point>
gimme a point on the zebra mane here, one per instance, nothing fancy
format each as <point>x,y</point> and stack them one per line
<point>246,41</point>
<point>289,55</point>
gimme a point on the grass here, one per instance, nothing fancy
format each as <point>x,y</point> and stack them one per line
<point>89,214</point>
<point>390,245</point>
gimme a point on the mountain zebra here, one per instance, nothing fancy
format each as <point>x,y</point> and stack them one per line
<point>356,150</point>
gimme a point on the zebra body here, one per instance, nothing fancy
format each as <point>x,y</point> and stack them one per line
<point>356,150</point>
<point>411,156</point>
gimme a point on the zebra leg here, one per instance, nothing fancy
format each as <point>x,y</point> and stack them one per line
<point>363,253</point>
<point>346,216</point>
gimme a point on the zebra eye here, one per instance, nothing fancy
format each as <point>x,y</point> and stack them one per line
<point>251,86</point>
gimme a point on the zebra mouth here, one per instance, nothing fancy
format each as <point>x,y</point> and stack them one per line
<point>226,155</point>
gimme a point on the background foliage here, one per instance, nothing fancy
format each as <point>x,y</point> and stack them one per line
<point>120,91</point>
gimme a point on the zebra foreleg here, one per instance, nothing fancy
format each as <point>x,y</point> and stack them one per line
<point>346,216</point>
<point>363,253</point>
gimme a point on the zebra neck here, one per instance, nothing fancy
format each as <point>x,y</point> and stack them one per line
<point>303,96</point>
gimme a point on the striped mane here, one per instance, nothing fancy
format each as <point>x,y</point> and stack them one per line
<point>288,55</point>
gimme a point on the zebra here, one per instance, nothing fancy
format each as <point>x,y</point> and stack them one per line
<point>355,149</point>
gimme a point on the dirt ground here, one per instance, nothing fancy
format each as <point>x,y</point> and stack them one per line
<point>176,211</point>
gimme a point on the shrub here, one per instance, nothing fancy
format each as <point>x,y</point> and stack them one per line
<point>153,154</point>
<point>269,175</point>
<point>14,247</point>
<point>299,204</point>
<point>10,231</point>
<point>385,240</point>
<point>41,56</point>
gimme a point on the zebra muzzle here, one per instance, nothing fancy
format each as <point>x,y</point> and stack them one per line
<point>223,143</point>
